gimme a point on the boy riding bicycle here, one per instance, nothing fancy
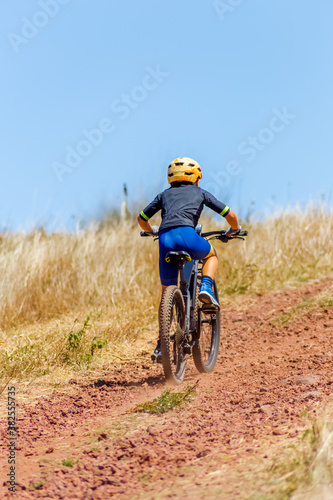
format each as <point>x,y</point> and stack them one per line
<point>181,207</point>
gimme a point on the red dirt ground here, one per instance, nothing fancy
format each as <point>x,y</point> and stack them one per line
<point>265,376</point>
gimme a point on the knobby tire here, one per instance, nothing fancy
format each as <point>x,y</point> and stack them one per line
<point>172,329</point>
<point>206,346</point>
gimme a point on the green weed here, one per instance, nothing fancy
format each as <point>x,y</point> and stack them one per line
<point>97,343</point>
<point>145,478</point>
<point>76,347</point>
<point>37,486</point>
<point>74,337</point>
<point>166,401</point>
<point>67,463</point>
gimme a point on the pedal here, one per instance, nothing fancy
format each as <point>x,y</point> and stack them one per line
<point>156,358</point>
<point>209,308</point>
<point>187,349</point>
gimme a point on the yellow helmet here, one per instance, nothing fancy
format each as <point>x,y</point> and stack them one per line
<point>184,169</point>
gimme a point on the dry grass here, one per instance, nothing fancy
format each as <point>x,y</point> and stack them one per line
<point>304,470</point>
<point>291,248</point>
<point>50,284</point>
<point>317,482</point>
<point>43,276</point>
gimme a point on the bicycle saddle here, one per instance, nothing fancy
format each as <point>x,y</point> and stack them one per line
<point>177,257</point>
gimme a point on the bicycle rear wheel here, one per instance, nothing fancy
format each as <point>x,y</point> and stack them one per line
<point>207,342</point>
<point>172,335</point>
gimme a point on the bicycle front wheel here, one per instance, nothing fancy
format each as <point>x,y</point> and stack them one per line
<point>206,346</point>
<point>172,335</point>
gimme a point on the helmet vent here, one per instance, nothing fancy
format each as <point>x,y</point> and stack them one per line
<point>179,163</point>
<point>191,165</point>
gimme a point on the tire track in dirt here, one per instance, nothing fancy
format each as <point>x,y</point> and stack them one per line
<point>265,376</point>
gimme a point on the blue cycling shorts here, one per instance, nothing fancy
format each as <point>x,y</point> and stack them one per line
<point>180,238</point>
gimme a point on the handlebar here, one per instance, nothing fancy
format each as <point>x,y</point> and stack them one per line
<point>218,235</point>
<point>222,236</point>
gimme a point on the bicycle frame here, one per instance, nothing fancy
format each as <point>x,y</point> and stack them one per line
<point>187,284</point>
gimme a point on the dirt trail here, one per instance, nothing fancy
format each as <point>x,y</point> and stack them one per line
<point>211,447</point>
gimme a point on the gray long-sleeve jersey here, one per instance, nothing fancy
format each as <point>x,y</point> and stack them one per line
<point>182,205</point>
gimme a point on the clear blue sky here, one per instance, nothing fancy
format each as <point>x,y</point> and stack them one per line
<point>222,70</point>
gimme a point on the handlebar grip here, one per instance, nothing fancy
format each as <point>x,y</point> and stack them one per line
<point>144,234</point>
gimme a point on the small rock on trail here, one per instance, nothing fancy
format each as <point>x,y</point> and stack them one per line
<point>307,380</point>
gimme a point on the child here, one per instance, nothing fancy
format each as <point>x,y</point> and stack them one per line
<point>181,207</point>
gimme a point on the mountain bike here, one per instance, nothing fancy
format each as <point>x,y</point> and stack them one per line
<point>188,328</point>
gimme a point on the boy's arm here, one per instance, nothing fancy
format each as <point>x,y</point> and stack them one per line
<point>231,218</point>
<point>148,212</point>
<point>144,225</point>
<point>221,209</point>
<point>225,211</point>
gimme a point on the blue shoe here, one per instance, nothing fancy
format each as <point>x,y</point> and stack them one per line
<point>206,294</point>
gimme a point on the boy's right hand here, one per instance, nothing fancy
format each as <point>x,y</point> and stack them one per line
<point>233,232</point>
<point>154,230</point>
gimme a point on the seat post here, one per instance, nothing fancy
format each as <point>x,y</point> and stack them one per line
<point>182,282</point>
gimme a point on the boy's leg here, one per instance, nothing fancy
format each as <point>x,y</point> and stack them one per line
<point>210,265</point>
<point>209,268</point>
<point>201,249</point>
